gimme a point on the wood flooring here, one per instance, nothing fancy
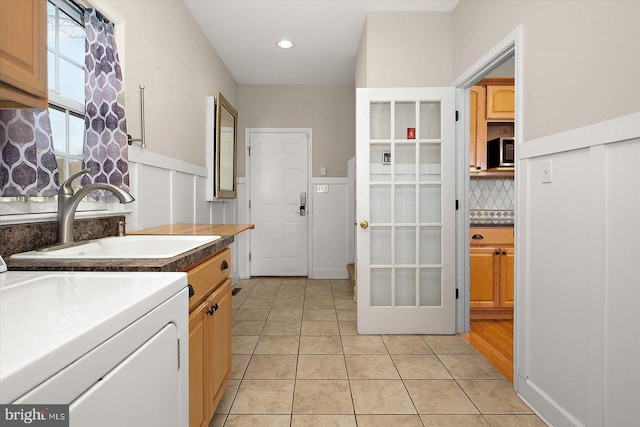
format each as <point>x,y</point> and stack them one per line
<point>494,340</point>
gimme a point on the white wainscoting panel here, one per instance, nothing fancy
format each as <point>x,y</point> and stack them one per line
<point>169,191</point>
<point>330,218</point>
<point>183,197</point>
<point>577,286</point>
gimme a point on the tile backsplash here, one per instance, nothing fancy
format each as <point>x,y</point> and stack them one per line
<point>491,201</point>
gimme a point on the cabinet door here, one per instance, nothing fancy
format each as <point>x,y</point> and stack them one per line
<point>197,404</point>
<point>23,53</point>
<point>506,277</point>
<point>484,277</point>
<point>500,102</point>
<point>218,347</point>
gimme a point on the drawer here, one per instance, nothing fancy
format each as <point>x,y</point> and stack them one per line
<point>491,236</point>
<point>206,276</point>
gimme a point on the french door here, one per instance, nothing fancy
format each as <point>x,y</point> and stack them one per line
<point>405,158</point>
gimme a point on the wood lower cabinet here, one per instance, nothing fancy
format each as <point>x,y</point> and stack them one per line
<point>209,336</point>
<point>491,273</point>
<point>23,54</point>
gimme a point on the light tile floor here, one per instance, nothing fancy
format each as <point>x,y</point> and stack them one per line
<point>298,361</point>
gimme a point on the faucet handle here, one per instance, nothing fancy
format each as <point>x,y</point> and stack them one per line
<point>65,188</point>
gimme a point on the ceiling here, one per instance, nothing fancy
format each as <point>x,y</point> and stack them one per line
<point>326,36</point>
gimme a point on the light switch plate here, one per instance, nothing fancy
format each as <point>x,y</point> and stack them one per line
<point>322,188</point>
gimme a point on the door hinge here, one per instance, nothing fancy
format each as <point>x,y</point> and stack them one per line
<point>457,115</point>
<point>457,293</point>
<point>457,205</point>
<point>249,204</point>
<point>178,354</point>
<point>249,256</point>
<point>249,148</point>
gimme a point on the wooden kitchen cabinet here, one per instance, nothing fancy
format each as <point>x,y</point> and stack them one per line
<point>500,102</point>
<point>491,110</point>
<point>491,273</point>
<point>23,54</point>
<point>209,336</point>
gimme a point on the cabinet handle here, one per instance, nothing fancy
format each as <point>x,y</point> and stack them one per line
<point>224,265</point>
<point>213,309</point>
<point>191,291</point>
<point>477,237</point>
<point>504,252</point>
<point>497,252</point>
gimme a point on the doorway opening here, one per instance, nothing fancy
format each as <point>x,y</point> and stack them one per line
<point>486,245</point>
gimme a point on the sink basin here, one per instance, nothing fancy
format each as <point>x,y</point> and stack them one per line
<point>133,247</point>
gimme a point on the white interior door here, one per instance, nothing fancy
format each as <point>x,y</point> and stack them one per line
<point>279,185</point>
<point>406,210</point>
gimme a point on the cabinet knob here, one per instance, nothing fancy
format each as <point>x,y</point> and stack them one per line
<point>504,252</point>
<point>224,265</point>
<point>191,291</point>
<point>497,252</point>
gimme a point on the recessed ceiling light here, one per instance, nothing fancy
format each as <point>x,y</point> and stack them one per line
<point>285,44</point>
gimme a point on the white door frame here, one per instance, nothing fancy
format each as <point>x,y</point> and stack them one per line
<point>511,45</point>
<point>247,172</point>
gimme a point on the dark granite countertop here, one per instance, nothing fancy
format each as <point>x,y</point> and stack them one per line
<point>177,263</point>
<point>493,225</point>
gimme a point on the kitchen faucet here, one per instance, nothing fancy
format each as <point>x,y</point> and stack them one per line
<point>68,202</point>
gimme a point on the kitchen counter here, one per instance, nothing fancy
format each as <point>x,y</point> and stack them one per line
<point>177,263</point>
<point>199,229</point>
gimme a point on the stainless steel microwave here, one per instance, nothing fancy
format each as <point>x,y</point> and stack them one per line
<point>501,153</point>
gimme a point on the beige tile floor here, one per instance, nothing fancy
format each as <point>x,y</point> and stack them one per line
<point>298,361</point>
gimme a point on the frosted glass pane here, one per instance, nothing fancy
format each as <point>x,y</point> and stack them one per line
<point>380,287</point>
<point>430,163</point>
<point>380,163</point>
<point>380,120</point>
<point>380,245</point>
<point>405,120</point>
<point>405,288</point>
<point>430,204</point>
<point>430,245</point>
<point>430,120</point>
<point>380,204</point>
<point>431,287</point>
<point>405,162</point>
<point>405,244</point>
<point>405,204</point>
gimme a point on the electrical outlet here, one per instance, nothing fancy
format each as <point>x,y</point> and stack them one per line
<point>322,188</point>
<point>546,172</point>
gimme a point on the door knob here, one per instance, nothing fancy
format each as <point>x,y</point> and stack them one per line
<point>364,224</point>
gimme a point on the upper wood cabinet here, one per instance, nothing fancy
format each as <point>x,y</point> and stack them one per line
<point>491,113</point>
<point>500,102</point>
<point>23,54</point>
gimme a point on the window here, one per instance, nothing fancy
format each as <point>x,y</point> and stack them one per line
<point>66,40</point>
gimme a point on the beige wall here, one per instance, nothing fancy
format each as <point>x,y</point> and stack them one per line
<point>328,110</point>
<point>406,49</point>
<point>361,59</point>
<point>166,51</point>
<point>581,58</point>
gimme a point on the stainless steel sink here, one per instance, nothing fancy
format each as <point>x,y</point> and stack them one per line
<point>130,247</point>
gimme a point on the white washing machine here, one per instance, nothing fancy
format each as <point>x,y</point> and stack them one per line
<point>113,346</point>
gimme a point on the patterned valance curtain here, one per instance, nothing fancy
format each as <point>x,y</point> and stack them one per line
<point>106,151</point>
<point>28,166</point>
